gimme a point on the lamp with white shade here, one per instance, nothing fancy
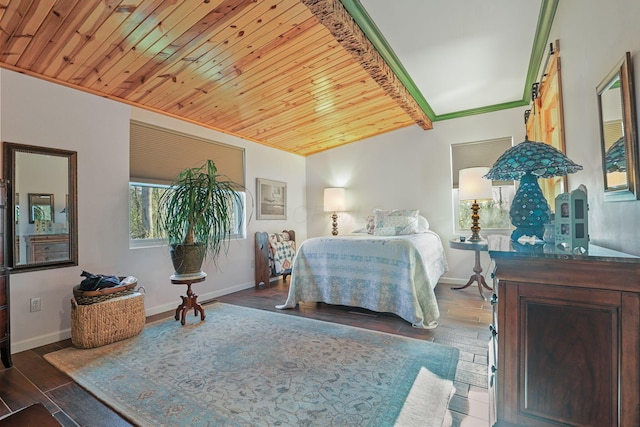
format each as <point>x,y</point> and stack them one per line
<point>473,187</point>
<point>334,201</point>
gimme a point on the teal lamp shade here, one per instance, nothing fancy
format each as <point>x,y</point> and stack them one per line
<point>616,157</point>
<point>527,162</point>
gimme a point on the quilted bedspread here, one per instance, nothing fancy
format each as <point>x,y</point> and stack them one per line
<point>395,274</point>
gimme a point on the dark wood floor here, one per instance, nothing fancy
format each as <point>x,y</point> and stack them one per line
<point>463,324</point>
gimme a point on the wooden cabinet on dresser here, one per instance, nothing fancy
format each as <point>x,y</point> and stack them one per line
<point>47,247</point>
<point>567,338</point>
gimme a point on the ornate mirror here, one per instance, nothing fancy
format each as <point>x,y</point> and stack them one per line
<point>618,134</point>
<point>41,207</point>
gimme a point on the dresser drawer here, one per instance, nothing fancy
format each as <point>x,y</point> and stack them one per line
<point>3,288</point>
<point>46,247</point>
<point>45,256</point>
<point>4,332</point>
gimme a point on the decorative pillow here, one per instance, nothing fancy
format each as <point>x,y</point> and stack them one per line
<point>423,224</point>
<point>395,222</point>
<point>371,224</point>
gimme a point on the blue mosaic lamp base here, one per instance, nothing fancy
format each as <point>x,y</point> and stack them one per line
<point>529,209</point>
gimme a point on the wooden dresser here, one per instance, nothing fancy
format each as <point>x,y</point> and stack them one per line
<point>5,341</point>
<point>566,342</point>
<point>47,247</point>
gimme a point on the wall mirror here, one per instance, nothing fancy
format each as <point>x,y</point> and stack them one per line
<point>618,134</point>
<point>41,207</point>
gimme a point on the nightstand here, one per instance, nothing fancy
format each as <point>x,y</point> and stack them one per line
<point>477,276</point>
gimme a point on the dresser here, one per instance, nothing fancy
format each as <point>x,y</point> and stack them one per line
<point>47,247</point>
<point>5,342</point>
<point>565,338</point>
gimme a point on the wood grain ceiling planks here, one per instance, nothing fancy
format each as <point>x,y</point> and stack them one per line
<point>297,75</point>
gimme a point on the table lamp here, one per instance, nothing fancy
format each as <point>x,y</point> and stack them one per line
<point>527,162</point>
<point>334,201</point>
<point>473,187</point>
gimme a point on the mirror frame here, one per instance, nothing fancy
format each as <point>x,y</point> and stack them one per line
<point>624,69</point>
<point>9,168</point>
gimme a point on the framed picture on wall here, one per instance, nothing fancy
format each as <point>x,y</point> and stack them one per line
<point>272,199</point>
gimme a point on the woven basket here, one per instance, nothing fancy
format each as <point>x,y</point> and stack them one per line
<point>106,322</point>
<point>104,294</point>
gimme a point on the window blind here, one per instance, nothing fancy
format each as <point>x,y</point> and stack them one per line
<point>157,155</point>
<point>612,132</point>
<point>476,154</point>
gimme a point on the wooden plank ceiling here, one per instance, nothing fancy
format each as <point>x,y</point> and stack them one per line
<point>297,75</point>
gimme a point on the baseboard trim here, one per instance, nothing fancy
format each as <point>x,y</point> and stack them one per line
<point>202,298</point>
<point>452,281</point>
<point>33,342</point>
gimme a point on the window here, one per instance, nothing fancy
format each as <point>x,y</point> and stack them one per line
<point>156,157</point>
<point>143,205</point>
<point>494,214</point>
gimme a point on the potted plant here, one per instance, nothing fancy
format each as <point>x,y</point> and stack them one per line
<point>197,213</point>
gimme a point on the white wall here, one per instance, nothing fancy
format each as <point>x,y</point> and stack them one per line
<point>39,113</point>
<point>594,35</point>
<point>406,169</point>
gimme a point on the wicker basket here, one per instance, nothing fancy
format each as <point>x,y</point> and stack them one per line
<point>106,322</point>
<point>104,294</point>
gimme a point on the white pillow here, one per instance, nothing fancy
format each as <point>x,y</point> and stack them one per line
<point>395,222</point>
<point>423,224</point>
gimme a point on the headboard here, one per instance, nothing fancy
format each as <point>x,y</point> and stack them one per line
<point>274,254</point>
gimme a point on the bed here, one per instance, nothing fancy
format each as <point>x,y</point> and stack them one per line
<point>395,274</point>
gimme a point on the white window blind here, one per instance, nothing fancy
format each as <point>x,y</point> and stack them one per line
<point>475,154</point>
<point>157,155</point>
<point>612,132</point>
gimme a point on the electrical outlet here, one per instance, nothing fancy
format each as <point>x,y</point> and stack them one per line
<point>35,304</point>
<point>253,263</point>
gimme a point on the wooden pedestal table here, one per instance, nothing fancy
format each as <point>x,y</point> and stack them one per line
<point>190,300</point>
<point>477,276</point>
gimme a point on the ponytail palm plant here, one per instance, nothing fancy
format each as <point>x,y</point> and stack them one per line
<point>198,215</point>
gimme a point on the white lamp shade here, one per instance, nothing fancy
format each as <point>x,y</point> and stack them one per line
<point>334,199</point>
<point>473,186</point>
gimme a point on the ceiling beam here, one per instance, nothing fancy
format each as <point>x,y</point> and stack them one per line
<point>333,15</point>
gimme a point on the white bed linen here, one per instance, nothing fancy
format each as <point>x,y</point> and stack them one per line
<point>394,274</point>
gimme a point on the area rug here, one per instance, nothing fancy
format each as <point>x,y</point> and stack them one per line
<point>249,367</point>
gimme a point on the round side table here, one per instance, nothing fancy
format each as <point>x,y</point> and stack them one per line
<point>191,300</point>
<point>477,247</point>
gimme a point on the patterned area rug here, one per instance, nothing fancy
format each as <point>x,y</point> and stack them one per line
<point>248,367</point>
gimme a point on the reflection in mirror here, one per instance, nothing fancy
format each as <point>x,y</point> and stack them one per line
<point>43,230</point>
<point>41,208</point>
<point>616,105</point>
